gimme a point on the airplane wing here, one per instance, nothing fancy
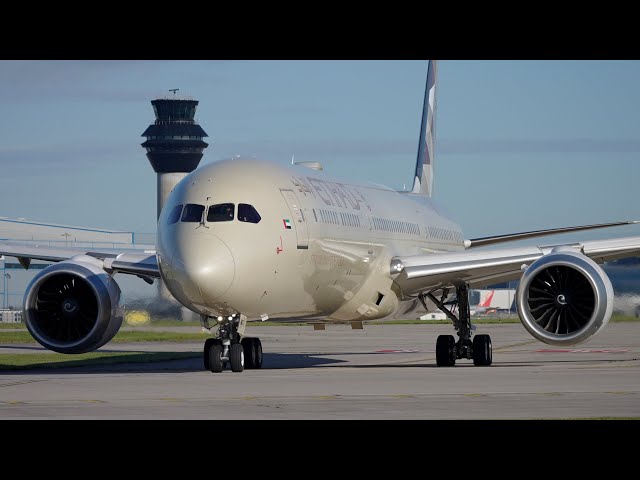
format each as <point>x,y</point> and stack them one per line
<point>419,273</point>
<point>484,241</point>
<point>128,261</point>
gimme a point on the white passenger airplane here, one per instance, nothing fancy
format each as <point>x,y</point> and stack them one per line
<point>244,240</point>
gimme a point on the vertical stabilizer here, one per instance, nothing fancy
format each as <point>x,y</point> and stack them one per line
<point>487,300</point>
<point>423,182</point>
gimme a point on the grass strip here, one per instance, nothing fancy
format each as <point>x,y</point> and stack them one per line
<point>128,336</point>
<point>22,361</point>
<point>122,337</point>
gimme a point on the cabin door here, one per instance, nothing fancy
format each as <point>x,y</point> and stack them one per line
<point>297,220</point>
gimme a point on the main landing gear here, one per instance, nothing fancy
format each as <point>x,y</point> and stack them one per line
<point>447,349</point>
<point>231,349</point>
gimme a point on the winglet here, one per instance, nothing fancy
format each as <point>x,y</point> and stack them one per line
<point>423,181</point>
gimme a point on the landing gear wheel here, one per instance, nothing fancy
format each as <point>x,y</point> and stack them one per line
<point>446,351</point>
<point>205,356</point>
<point>216,365</point>
<point>236,357</point>
<point>252,353</point>
<point>482,351</point>
<point>257,349</point>
<point>249,352</point>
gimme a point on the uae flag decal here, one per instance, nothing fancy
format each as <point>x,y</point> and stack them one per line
<point>287,223</point>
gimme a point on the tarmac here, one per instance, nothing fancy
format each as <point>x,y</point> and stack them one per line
<point>381,372</point>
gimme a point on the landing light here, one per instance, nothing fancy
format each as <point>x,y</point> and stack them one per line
<point>396,266</point>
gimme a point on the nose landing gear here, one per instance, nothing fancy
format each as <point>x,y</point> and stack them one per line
<point>253,352</point>
<point>229,348</point>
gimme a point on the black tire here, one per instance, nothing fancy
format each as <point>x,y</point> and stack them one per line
<point>216,365</point>
<point>257,353</point>
<point>207,346</point>
<point>249,353</point>
<point>482,351</point>
<point>446,351</point>
<point>236,357</point>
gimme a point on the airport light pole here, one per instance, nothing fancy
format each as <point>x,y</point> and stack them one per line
<point>7,277</point>
<point>4,280</point>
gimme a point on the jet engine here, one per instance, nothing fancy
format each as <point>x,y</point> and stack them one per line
<point>564,298</point>
<point>73,306</point>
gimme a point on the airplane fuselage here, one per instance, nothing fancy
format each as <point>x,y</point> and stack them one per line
<point>308,246</point>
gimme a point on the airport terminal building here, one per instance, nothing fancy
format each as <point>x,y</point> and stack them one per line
<point>15,278</point>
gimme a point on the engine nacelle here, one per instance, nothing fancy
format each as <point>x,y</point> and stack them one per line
<point>564,298</point>
<point>73,306</point>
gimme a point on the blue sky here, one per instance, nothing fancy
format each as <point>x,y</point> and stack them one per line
<point>520,144</point>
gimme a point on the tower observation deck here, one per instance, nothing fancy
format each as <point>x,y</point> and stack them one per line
<point>174,142</point>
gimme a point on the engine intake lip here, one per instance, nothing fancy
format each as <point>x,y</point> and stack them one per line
<point>601,301</point>
<point>98,289</point>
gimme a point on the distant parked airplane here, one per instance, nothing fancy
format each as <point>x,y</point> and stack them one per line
<point>485,304</point>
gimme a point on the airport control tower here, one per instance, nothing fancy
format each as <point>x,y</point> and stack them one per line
<point>174,142</point>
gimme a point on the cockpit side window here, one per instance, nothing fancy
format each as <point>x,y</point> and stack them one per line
<point>192,213</point>
<point>223,212</point>
<point>174,216</point>
<point>246,213</point>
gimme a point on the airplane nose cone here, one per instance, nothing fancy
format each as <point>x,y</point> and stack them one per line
<point>204,267</point>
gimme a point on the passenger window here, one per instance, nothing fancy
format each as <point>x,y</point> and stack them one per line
<point>174,216</point>
<point>246,213</point>
<point>223,212</point>
<point>192,213</point>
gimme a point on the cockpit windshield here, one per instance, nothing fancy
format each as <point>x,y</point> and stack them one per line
<point>246,213</point>
<point>223,212</point>
<point>174,216</point>
<point>192,213</point>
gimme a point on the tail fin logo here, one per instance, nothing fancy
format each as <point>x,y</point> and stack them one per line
<point>487,300</point>
<point>423,182</point>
